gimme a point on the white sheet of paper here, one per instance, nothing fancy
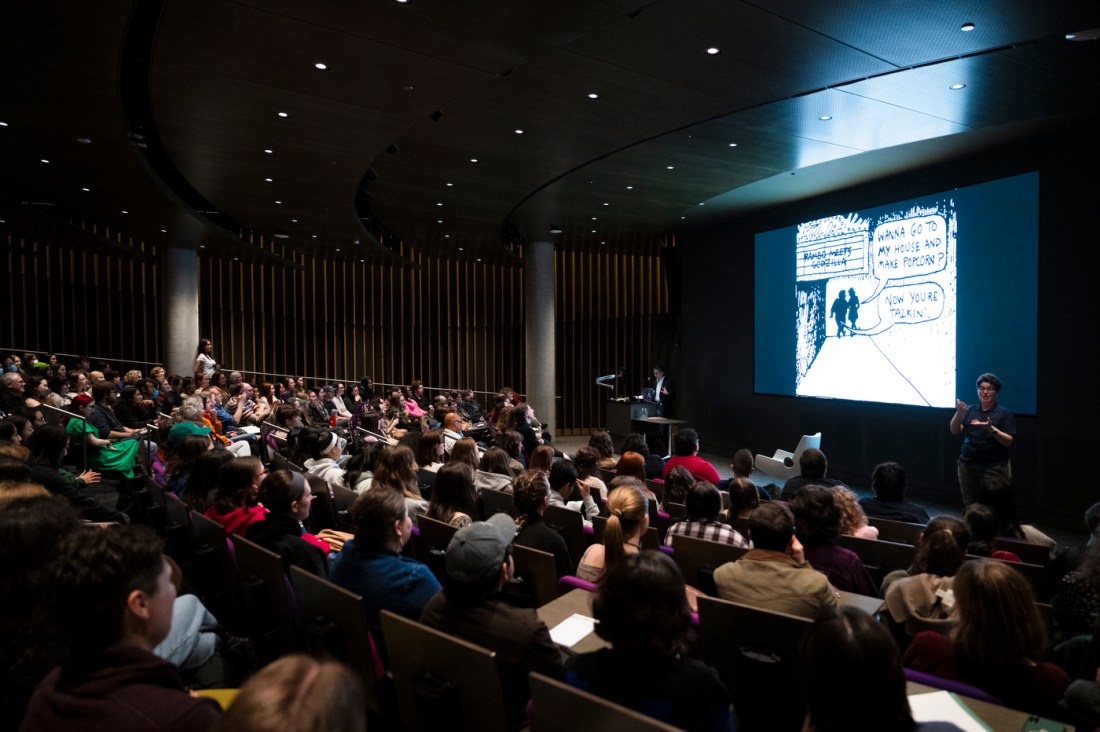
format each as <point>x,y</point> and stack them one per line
<point>942,706</point>
<point>572,630</point>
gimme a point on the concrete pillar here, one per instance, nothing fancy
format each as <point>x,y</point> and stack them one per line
<point>179,294</point>
<point>539,319</point>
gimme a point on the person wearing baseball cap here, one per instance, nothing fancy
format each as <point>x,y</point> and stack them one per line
<point>479,563</point>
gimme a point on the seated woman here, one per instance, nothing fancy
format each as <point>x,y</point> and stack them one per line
<point>371,564</point>
<point>601,442</point>
<point>1004,503</point>
<point>654,465</point>
<point>235,503</point>
<point>585,459</point>
<point>359,474</point>
<point>642,611</point>
<point>852,677</point>
<point>678,484</point>
<point>203,478</point>
<point>921,597</point>
<point>454,500</point>
<point>183,456</point>
<point>325,448</point>
<point>48,446</point>
<point>997,643</point>
<point>984,526</point>
<point>287,497</point>
<point>465,451</point>
<point>429,451</point>
<point>818,520</point>
<point>853,522</point>
<point>103,455</point>
<point>542,459</point>
<point>395,470</point>
<point>531,494</point>
<point>494,471</point>
<point>628,522</point>
<point>512,444</point>
<point>744,497</point>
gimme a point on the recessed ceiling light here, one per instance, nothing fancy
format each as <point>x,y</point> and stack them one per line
<point>407,87</point>
<point>362,261</point>
<point>125,211</point>
<point>593,218</point>
<point>320,66</point>
<point>671,167</point>
<point>337,248</point>
<point>314,236</point>
<point>593,231</point>
<point>683,217</point>
<point>446,236</point>
<point>44,160</point>
<point>825,117</point>
<point>966,27</point>
<point>294,221</point>
<point>450,185</point>
<point>519,132</point>
<point>283,114</point>
<point>702,204</point>
<point>278,203</point>
<point>713,51</point>
<point>733,144</point>
<point>439,203</point>
<point>164,231</point>
<point>84,140</point>
<point>3,124</point>
<point>269,180</point>
<point>630,188</point>
<point>439,221</point>
<point>202,246</point>
<point>555,230</point>
<point>593,95</point>
<point>473,160</point>
<point>956,87</point>
<point>460,249</point>
<point>479,258</point>
<point>86,189</point>
<point>268,150</point>
<point>236,259</point>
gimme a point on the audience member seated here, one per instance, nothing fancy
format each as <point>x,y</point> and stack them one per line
<point>654,464</point>
<point>371,564</point>
<point>454,500</point>
<point>984,526</point>
<point>298,692</point>
<point>287,498</point>
<point>628,522</point>
<point>852,679</point>
<point>180,460</point>
<point>395,470</point>
<point>774,574</point>
<point>479,563</point>
<point>48,446</point>
<point>113,594</point>
<point>601,442</point>
<point>235,503</point>
<point>641,609</point>
<point>678,484</point>
<point>921,598</point>
<point>704,504</point>
<point>117,457</point>
<point>11,392</point>
<point>813,465</point>
<point>541,459</point>
<point>585,459</point>
<point>512,443</point>
<point>998,642</point>
<point>335,407</point>
<point>325,448</point>
<point>853,522</point>
<point>429,451</point>
<point>494,471</point>
<point>685,452</point>
<point>452,430</point>
<point>359,474</point>
<point>465,451</point>
<point>818,521</point>
<point>1078,598</point>
<point>1003,502</point>
<point>565,488</point>
<point>888,484</point>
<point>203,479</point>
<point>531,494</point>
<point>744,498</point>
<point>631,465</point>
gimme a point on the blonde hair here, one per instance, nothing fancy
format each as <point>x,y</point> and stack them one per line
<point>629,507</point>
<point>13,491</point>
<point>852,518</point>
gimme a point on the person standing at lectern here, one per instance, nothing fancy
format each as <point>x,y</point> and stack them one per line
<point>662,391</point>
<point>988,430</point>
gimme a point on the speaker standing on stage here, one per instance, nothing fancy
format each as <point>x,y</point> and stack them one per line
<point>662,390</point>
<point>988,430</point>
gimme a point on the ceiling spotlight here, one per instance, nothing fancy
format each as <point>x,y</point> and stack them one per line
<point>407,87</point>
<point>956,87</point>
<point>713,51</point>
<point>593,95</point>
<point>450,185</point>
<point>337,248</point>
<point>320,66</point>
<point>84,140</point>
<point>671,167</point>
<point>164,231</point>
<point>44,160</point>
<point>282,114</point>
<point>630,188</point>
<point>278,203</point>
<point>125,211</point>
<point>446,236</point>
<point>269,180</point>
<point>473,160</point>
<point>439,203</point>
<point>460,249</point>
<point>3,124</point>
<point>294,221</point>
<point>314,236</point>
<point>733,144</point>
<point>439,221</point>
<point>281,235</point>
<point>825,117</point>
<point>967,27</point>
<point>555,229</point>
<point>606,203</point>
<point>593,218</point>
<point>86,189</point>
<point>519,132</point>
<point>268,150</point>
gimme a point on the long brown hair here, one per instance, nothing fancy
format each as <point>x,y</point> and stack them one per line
<point>394,470</point>
<point>998,621</point>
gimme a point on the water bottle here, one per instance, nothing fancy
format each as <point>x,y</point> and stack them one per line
<point>332,419</point>
<point>645,413</point>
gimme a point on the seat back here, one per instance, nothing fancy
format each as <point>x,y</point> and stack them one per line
<point>496,502</point>
<point>698,558</point>
<point>755,652</point>
<point>267,600</point>
<point>570,524</point>
<point>557,705</point>
<point>650,539</point>
<point>536,577</point>
<point>880,557</point>
<point>1026,551</point>
<point>334,625</point>
<point>215,574</point>
<point>678,511</point>
<point>900,532</point>
<point>342,498</point>
<point>177,530</point>
<point>442,682</point>
<point>431,547</point>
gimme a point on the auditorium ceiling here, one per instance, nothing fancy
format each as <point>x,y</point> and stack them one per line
<point>463,128</point>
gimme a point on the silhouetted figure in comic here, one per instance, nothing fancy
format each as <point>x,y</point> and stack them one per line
<point>853,310</point>
<point>839,311</point>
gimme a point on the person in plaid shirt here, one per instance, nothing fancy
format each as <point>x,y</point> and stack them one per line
<point>703,506</point>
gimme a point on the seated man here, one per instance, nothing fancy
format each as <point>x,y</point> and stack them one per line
<point>452,430</point>
<point>774,574</point>
<point>888,483</point>
<point>703,504</point>
<point>332,404</point>
<point>566,488</point>
<point>685,449</point>
<point>479,563</point>
<point>813,465</point>
<point>113,595</point>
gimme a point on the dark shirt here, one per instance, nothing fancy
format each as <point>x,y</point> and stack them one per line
<point>794,485</point>
<point>683,692</point>
<point>894,510</point>
<point>980,448</point>
<point>843,567</point>
<point>283,535</point>
<point>104,420</point>
<point>538,535</point>
<point>521,641</point>
<point>90,508</point>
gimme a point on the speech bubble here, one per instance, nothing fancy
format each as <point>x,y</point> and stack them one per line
<point>906,248</point>
<point>908,304</point>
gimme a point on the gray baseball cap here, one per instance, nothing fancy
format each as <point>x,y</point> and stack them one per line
<point>477,551</point>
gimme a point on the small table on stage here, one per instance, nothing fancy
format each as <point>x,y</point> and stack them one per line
<point>664,428</point>
<point>626,417</point>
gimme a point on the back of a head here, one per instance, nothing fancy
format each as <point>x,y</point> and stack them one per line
<point>771,526</point>
<point>47,443</point>
<point>235,481</point>
<point>685,442</point>
<point>373,516</point>
<point>888,481</point>
<point>631,464</point>
<point>743,495</point>
<point>703,501</point>
<point>542,458</point>
<point>942,548</point>
<point>30,528</point>
<point>465,451</point>
<point>453,491</point>
<point>1003,502</point>
<point>495,460</point>
<point>298,692</point>
<point>629,508</point>
<point>562,473</point>
<point>280,489</point>
<point>284,413</point>
<point>678,483</point>
<point>983,523</point>
<point>634,442</point>
<point>601,442</point>
<point>94,573</point>
<point>203,477</point>
<point>529,491</point>
<point>427,448</point>
<point>816,514</point>
<point>102,390</point>
<point>812,463</point>
<point>394,469</point>
<point>641,607</point>
<point>742,463</point>
<point>998,621</point>
<point>585,458</point>
<point>852,676</point>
